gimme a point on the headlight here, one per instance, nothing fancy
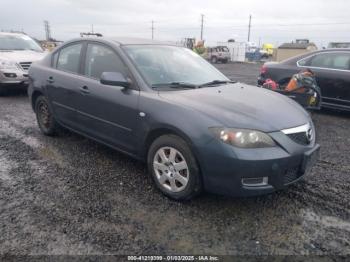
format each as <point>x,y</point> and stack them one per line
<point>243,138</point>
<point>5,64</point>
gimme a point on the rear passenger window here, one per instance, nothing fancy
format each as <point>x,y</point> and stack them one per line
<point>336,60</point>
<point>69,58</point>
<point>342,61</point>
<point>101,59</point>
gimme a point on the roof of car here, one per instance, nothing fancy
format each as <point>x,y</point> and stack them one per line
<point>139,41</point>
<point>126,40</point>
<point>304,55</point>
<point>334,49</point>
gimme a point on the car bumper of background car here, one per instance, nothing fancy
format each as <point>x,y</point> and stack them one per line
<point>251,172</point>
<point>15,77</point>
<point>261,80</point>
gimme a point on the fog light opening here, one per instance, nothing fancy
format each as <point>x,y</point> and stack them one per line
<point>255,181</point>
<point>11,75</point>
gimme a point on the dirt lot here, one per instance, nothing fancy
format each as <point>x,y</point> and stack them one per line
<point>69,195</point>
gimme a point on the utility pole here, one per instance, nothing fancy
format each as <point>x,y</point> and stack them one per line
<point>250,25</point>
<point>47,30</point>
<point>152,28</point>
<point>202,24</point>
<point>92,28</point>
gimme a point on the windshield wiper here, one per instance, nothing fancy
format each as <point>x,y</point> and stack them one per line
<point>175,85</point>
<point>217,82</point>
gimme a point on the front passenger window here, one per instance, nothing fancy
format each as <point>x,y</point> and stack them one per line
<point>101,59</point>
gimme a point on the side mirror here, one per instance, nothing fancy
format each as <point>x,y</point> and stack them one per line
<point>114,79</point>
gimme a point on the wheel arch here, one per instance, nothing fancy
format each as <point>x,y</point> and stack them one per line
<point>34,97</point>
<point>156,132</point>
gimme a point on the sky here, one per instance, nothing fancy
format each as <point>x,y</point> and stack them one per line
<point>273,21</point>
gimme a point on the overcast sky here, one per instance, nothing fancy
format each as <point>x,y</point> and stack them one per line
<point>275,21</point>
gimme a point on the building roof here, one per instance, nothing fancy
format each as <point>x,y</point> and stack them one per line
<point>296,45</point>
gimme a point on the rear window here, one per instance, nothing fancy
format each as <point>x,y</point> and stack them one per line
<point>69,58</point>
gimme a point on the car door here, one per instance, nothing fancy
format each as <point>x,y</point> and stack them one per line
<point>108,113</point>
<point>332,71</point>
<point>62,82</point>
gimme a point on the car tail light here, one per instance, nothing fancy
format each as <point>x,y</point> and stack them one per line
<point>263,69</point>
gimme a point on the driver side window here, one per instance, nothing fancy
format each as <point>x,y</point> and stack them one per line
<point>101,59</point>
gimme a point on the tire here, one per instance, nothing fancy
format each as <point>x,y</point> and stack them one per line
<point>214,59</point>
<point>46,121</point>
<point>225,61</point>
<point>3,91</point>
<point>167,173</point>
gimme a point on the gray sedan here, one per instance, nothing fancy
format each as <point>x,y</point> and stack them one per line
<point>167,106</point>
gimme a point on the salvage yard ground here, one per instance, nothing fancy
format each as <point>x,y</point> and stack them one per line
<point>70,195</point>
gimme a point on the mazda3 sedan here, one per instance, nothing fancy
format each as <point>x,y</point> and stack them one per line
<point>164,104</point>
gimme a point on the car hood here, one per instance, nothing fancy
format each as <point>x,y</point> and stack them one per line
<point>21,55</point>
<point>242,106</point>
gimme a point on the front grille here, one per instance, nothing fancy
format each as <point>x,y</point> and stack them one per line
<point>300,138</point>
<point>25,65</point>
<point>291,175</point>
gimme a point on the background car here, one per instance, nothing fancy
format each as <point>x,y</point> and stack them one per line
<point>218,54</point>
<point>167,106</point>
<point>332,70</point>
<point>17,53</point>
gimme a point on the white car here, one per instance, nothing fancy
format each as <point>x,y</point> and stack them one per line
<point>17,52</point>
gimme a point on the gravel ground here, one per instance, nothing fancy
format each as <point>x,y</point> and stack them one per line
<point>70,195</point>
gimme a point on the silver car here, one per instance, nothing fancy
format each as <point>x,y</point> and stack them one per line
<point>218,54</point>
<point>17,52</point>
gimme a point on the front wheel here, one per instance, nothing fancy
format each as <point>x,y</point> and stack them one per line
<point>44,116</point>
<point>174,168</point>
<point>214,60</point>
<point>3,91</point>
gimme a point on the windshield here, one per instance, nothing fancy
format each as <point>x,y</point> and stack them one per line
<point>169,64</point>
<point>16,42</point>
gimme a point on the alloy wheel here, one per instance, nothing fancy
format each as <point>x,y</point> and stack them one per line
<point>171,169</point>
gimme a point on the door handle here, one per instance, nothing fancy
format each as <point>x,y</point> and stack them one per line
<point>50,80</point>
<point>84,90</point>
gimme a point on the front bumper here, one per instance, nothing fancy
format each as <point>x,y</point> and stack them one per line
<point>224,168</point>
<point>8,77</point>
